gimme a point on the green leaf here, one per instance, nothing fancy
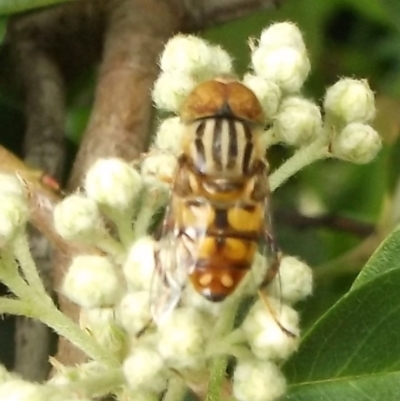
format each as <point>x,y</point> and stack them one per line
<point>353,351</point>
<point>16,6</point>
<point>381,387</point>
<point>385,258</point>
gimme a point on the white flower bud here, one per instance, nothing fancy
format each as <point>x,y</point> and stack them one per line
<point>101,324</point>
<point>134,311</point>
<point>258,381</point>
<point>77,217</point>
<point>265,330</point>
<point>144,369</point>
<point>171,90</point>
<point>160,165</point>
<point>287,66</point>
<point>182,338</point>
<point>139,266</point>
<point>92,282</point>
<point>356,143</point>
<point>282,34</point>
<point>185,53</point>
<point>350,100</point>
<point>14,214</point>
<point>221,63</point>
<point>113,183</point>
<point>20,390</point>
<point>267,92</point>
<point>169,135</point>
<point>298,121</point>
<point>294,281</point>
<point>259,270</point>
<point>12,184</point>
<point>193,56</point>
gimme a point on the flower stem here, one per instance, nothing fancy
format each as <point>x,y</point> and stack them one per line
<point>65,327</point>
<point>123,222</point>
<point>11,306</point>
<point>22,252</point>
<point>176,389</point>
<point>95,384</point>
<point>9,274</point>
<point>218,366</point>
<point>302,158</point>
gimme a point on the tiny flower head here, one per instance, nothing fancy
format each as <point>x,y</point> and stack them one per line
<point>187,54</point>
<point>350,100</point>
<point>255,380</point>
<point>140,264</point>
<point>113,184</point>
<point>171,89</point>
<point>294,281</point>
<point>272,330</point>
<point>14,214</point>
<point>169,135</point>
<point>160,165</point>
<point>286,66</point>
<point>193,56</point>
<point>12,184</point>
<point>298,121</point>
<point>144,369</point>
<point>102,325</point>
<point>221,63</point>
<point>356,143</point>
<point>77,217</point>
<point>182,338</point>
<point>267,92</point>
<point>282,34</point>
<point>91,281</point>
<point>134,311</point>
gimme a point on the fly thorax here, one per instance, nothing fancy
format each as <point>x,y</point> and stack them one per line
<point>221,146</point>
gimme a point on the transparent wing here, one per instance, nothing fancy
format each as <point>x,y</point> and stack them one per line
<point>271,259</point>
<point>170,276</point>
<point>175,256</point>
<point>269,247</point>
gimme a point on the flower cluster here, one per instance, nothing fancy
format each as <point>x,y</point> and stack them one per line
<point>117,284</point>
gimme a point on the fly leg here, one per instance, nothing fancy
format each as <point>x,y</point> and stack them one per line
<point>261,193</point>
<point>271,274</point>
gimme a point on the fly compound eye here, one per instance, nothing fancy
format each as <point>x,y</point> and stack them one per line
<point>222,98</point>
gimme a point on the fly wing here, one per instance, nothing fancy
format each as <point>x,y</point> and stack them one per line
<point>170,275</point>
<point>269,249</point>
<point>165,291</point>
<point>174,257</point>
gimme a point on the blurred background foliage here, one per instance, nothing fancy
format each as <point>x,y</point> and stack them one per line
<point>355,38</point>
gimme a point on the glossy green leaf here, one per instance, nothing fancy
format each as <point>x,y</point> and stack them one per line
<point>385,258</point>
<point>16,6</point>
<point>353,351</point>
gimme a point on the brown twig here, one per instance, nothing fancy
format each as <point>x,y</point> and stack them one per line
<point>330,221</point>
<point>43,147</point>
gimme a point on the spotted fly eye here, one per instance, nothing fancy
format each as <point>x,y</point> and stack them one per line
<point>222,97</point>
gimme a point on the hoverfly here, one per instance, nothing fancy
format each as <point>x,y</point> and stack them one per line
<point>219,213</point>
